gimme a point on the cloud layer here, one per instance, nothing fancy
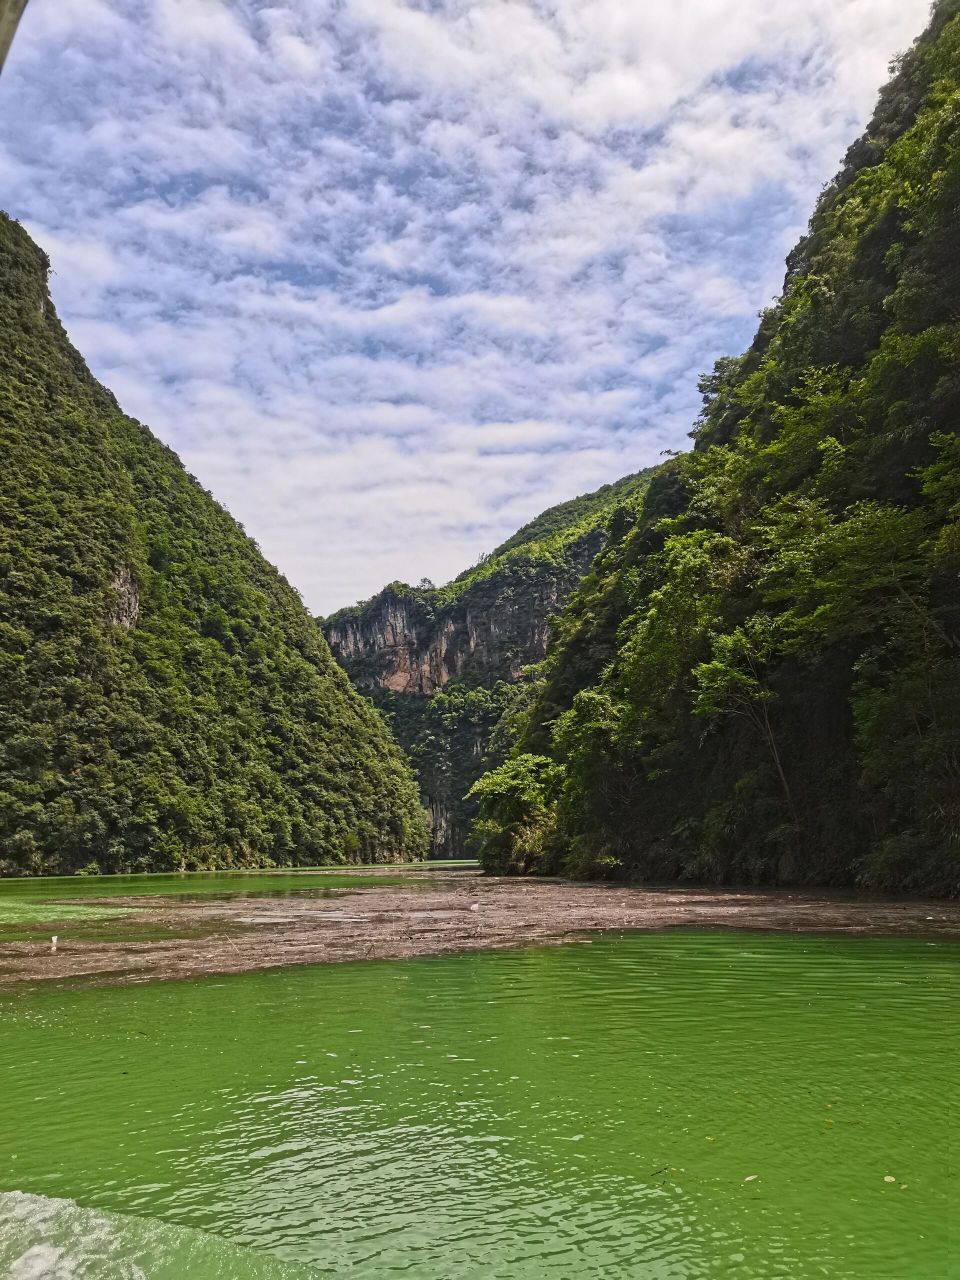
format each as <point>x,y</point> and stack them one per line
<point>394,275</point>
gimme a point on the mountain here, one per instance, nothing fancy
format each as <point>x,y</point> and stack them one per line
<point>165,699</point>
<point>759,678</point>
<point>442,662</point>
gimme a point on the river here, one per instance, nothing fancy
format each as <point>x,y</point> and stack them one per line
<point>676,1104</point>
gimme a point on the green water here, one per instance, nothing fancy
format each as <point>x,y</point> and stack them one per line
<point>657,1106</point>
<point>188,884</point>
<point>31,909</point>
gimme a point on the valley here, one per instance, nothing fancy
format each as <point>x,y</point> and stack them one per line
<point>595,912</point>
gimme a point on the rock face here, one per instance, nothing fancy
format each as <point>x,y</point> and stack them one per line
<point>125,609</point>
<point>410,642</point>
<point>442,663</point>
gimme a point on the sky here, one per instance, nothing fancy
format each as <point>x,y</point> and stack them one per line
<point>393,276</point>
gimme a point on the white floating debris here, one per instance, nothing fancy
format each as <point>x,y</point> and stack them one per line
<point>53,943</point>
<point>474,906</point>
<point>752,1178</point>
<point>889,1178</point>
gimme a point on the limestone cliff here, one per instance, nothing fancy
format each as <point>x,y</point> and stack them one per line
<point>442,662</point>
<point>415,641</point>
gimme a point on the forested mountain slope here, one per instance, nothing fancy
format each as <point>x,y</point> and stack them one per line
<point>759,680</point>
<point>441,662</point>
<point>165,699</point>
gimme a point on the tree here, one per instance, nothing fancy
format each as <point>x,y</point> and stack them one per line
<point>733,683</point>
<point>512,833</point>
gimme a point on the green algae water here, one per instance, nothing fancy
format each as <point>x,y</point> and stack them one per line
<point>31,907</point>
<point>673,1105</point>
<point>35,892</point>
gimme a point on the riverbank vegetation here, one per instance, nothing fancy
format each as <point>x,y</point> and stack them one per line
<point>759,679</point>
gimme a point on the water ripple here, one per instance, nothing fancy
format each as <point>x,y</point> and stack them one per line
<point>669,1106</point>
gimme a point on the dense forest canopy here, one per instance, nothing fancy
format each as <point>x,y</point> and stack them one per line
<point>759,680</point>
<point>165,699</point>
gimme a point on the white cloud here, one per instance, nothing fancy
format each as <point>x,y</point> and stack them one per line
<point>213,23</point>
<point>392,278</point>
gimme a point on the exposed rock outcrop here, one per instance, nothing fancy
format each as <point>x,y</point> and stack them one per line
<point>125,606</point>
<point>441,662</point>
<point>411,641</point>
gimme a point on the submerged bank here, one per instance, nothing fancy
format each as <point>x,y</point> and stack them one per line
<point>169,927</point>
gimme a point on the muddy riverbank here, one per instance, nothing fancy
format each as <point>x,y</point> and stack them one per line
<point>434,914</point>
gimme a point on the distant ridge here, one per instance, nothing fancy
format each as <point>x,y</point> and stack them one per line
<point>442,662</point>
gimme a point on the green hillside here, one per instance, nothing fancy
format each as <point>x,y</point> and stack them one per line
<point>759,680</point>
<point>442,663</point>
<point>561,524</point>
<point>550,544</point>
<point>165,699</point>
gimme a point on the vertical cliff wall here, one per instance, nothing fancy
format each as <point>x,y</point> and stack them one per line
<point>442,662</point>
<point>415,641</point>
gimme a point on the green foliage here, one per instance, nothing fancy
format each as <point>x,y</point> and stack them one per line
<point>165,699</point>
<point>447,738</point>
<point>546,555</point>
<point>486,628</point>
<point>759,678</point>
<point>514,829</point>
<point>566,518</point>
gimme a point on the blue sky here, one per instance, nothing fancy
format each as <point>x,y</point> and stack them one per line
<point>392,276</point>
